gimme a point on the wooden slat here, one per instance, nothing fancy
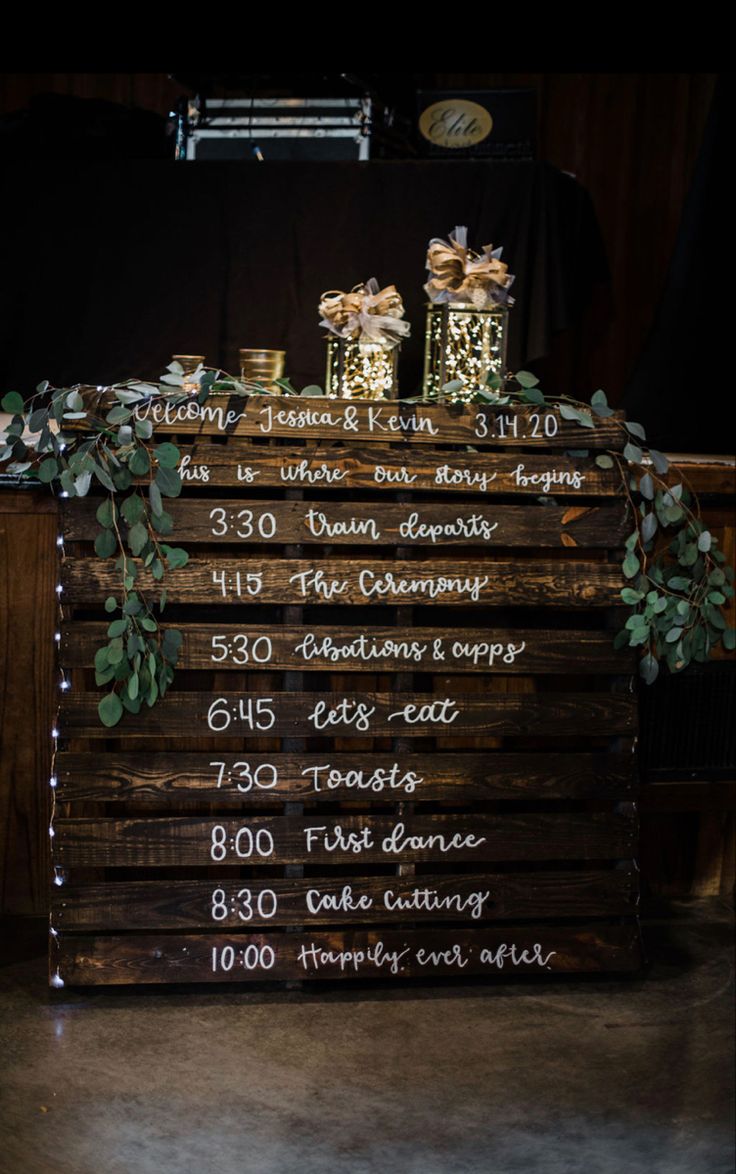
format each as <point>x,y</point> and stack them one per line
<point>386,421</point>
<point>387,954</point>
<point>234,903</point>
<point>231,521</point>
<point>186,715</point>
<point>246,778</point>
<point>323,466</point>
<point>343,839</point>
<point>449,581</point>
<point>251,646</point>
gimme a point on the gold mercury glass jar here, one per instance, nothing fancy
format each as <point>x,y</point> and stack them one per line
<point>262,366</point>
<point>463,342</point>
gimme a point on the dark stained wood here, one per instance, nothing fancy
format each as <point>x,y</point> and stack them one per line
<point>322,466</point>
<point>187,715</point>
<point>384,421</point>
<point>252,646</point>
<point>449,581</point>
<point>361,954</point>
<point>29,695</point>
<point>235,522</point>
<point>166,779</point>
<point>344,839</point>
<point>239,904</point>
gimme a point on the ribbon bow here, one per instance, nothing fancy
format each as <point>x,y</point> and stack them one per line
<point>457,274</point>
<point>367,313</point>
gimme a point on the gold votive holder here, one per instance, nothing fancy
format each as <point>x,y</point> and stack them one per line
<point>463,343</point>
<point>361,370</point>
<point>189,364</point>
<point>262,366</point>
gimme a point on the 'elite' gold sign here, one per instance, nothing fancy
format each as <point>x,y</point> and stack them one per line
<point>455,122</point>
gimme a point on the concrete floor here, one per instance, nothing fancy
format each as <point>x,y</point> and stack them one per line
<point>602,1077</point>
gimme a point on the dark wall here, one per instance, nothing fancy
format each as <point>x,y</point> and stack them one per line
<point>630,139</point>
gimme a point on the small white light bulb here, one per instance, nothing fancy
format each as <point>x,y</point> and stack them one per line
<point>57,980</point>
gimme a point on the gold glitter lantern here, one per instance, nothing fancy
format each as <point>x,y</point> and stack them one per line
<point>463,343</point>
<point>360,370</point>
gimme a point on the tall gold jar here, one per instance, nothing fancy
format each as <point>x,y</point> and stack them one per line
<point>361,370</point>
<point>465,343</point>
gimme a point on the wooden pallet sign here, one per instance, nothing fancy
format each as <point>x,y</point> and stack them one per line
<point>399,744</point>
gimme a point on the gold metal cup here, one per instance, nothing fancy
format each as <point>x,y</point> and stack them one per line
<point>262,366</point>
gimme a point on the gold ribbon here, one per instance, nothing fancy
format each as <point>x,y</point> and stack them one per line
<point>457,274</point>
<point>367,313</point>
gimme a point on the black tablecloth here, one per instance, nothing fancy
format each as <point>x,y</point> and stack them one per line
<point>110,268</point>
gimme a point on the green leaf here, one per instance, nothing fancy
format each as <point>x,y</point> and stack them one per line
<point>532,395</point>
<point>630,596</point>
<point>168,481</point>
<point>110,709</point>
<point>580,415</point>
<point>162,523</point>
<point>144,429</point>
<point>599,404</point>
<point>111,603</point>
<point>633,453</point>
<point>312,390</point>
<point>154,496</point>
<point>139,462</point>
<point>673,635</point>
<point>526,379</point>
<point>729,639</point>
<point>103,476</point>
<point>176,557</point>
<point>704,541</point>
<point>648,527</point>
<point>105,513</point>
<point>117,628</point>
<point>648,668</point>
<point>646,487</point>
<point>122,478</point>
<point>105,544</point>
<point>133,683</point>
<point>635,429</point>
<point>148,623</point>
<point>659,460</point>
<point>13,403</point>
<point>101,661</point>
<point>38,420</point>
<point>132,508</point>
<point>137,537</point>
<point>631,565</point>
<point>603,461</point>
<point>678,583</point>
<point>82,484</point>
<point>167,455</point>
<point>47,470</point>
<point>716,597</point>
<point>118,415</point>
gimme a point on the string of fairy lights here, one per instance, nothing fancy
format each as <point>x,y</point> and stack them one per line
<point>59,877</point>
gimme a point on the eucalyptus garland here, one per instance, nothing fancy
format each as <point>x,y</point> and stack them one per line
<point>677,583</point>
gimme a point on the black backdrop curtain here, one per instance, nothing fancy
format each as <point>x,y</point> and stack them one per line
<point>110,268</point>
